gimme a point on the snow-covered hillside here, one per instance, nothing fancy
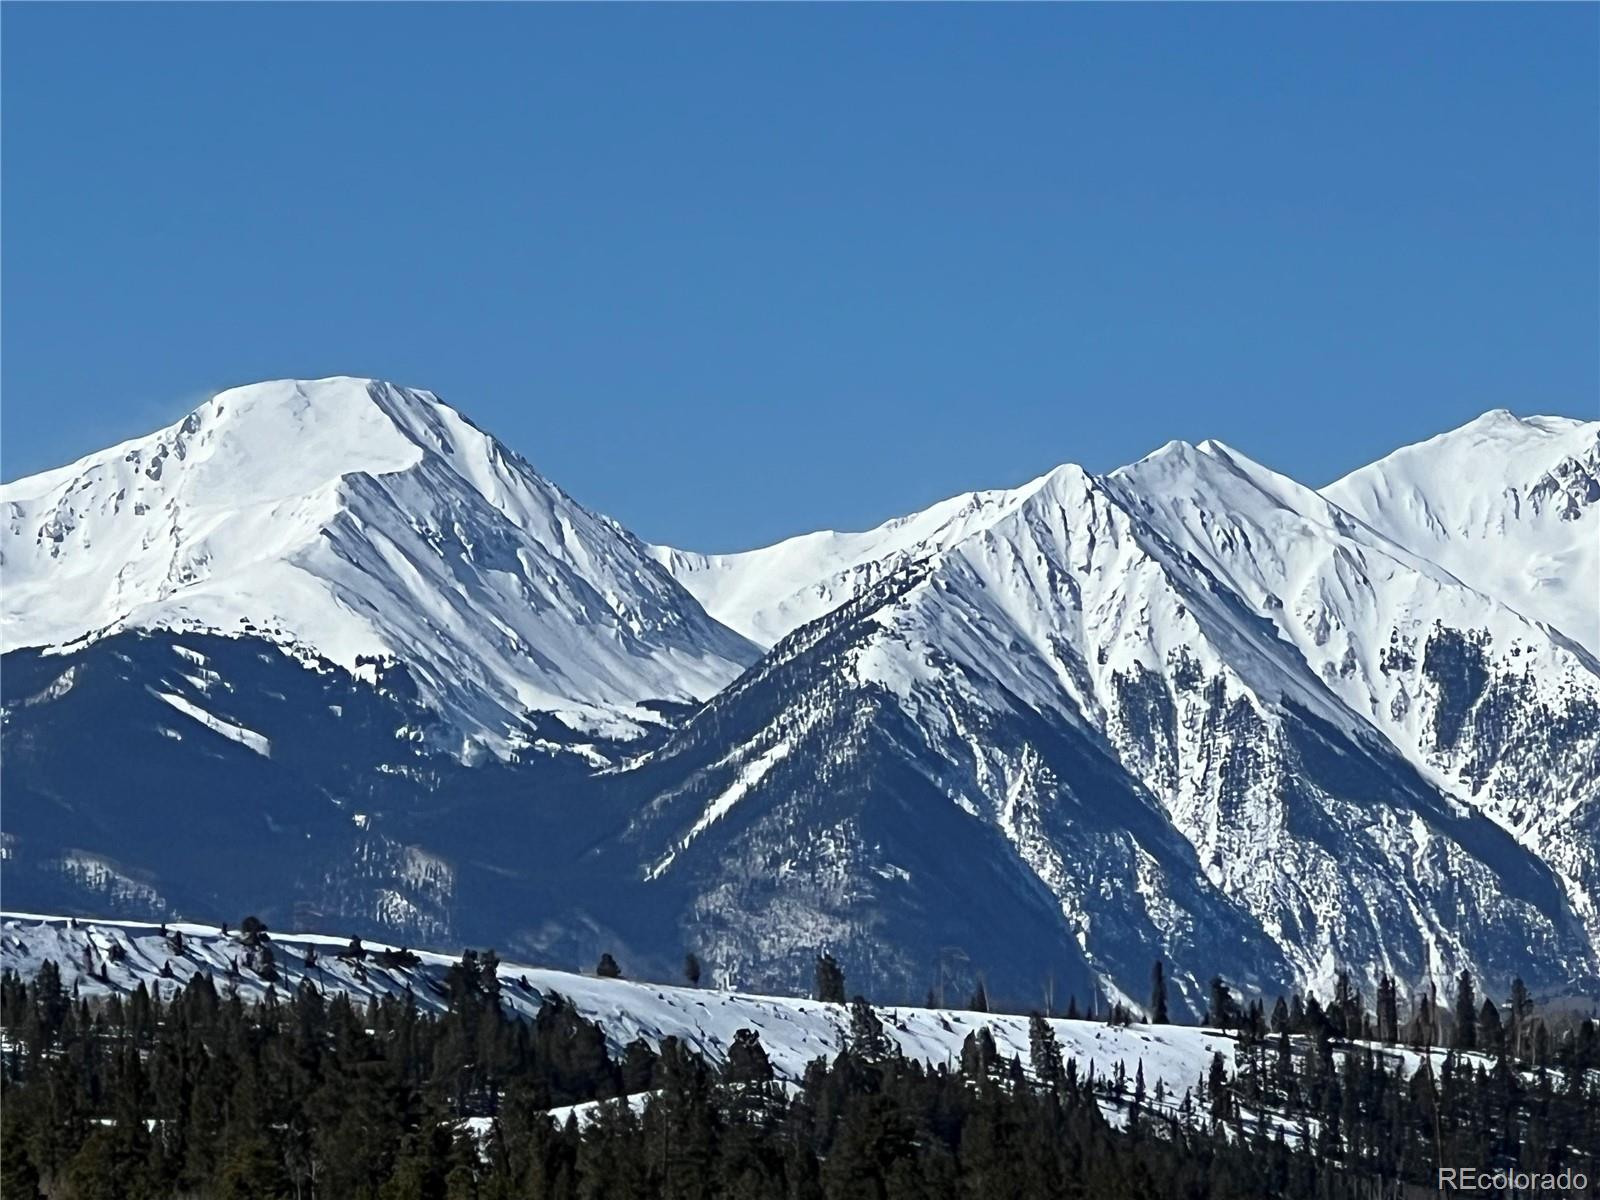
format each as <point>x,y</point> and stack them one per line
<point>793,1031</point>
<point>363,521</point>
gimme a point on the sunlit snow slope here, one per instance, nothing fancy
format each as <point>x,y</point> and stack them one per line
<point>766,593</point>
<point>793,1031</point>
<point>1318,709</point>
<point>359,519</point>
<point>1510,505</point>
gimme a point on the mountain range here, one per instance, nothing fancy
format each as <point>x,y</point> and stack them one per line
<point>326,651</point>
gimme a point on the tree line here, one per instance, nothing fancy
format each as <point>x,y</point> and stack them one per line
<point>307,1095</point>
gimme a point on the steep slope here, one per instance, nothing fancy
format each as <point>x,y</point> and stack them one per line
<point>363,522</point>
<point>1488,705</point>
<point>928,844</point>
<point>1510,505</point>
<point>159,774</point>
<point>1078,685</point>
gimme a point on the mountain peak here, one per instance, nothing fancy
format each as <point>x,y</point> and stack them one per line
<point>272,439</point>
<point>356,518</point>
<point>340,424</point>
<point>1508,504</point>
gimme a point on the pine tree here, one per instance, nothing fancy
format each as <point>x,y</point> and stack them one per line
<point>1388,1010</point>
<point>691,970</point>
<point>252,1172</point>
<point>607,967</point>
<point>747,1059</point>
<point>1044,1052</point>
<point>252,930</point>
<point>867,1039</point>
<point>1466,1013</point>
<point>980,999</point>
<point>1158,994</point>
<point>979,1058</point>
<point>1491,1037</point>
<point>830,980</point>
<point>1221,1013</point>
<point>1217,1087</point>
<point>1518,1032</point>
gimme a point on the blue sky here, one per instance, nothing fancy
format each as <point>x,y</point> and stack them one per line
<point>728,273</point>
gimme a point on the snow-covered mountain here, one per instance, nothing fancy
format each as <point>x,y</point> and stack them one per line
<point>766,593</point>
<point>1489,706</point>
<point>1319,711</point>
<point>1169,641</point>
<point>364,523</point>
<point>1189,709</point>
<point>1510,505</point>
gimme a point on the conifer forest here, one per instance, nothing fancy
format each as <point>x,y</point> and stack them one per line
<point>308,1095</point>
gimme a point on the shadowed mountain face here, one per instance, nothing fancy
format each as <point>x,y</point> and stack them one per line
<point>171,774</point>
<point>1188,710</point>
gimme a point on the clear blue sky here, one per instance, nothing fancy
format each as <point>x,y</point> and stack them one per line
<point>728,273</point>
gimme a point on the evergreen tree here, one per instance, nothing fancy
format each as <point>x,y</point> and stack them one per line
<point>867,1040</point>
<point>980,999</point>
<point>1520,1010</point>
<point>1491,1037</point>
<point>607,967</point>
<point>1044,1052</point>
<point>1466,1013</point>
<point>252,930</point>
<point>747,1059</point>
<point>1388,1010</point>
<point>1158,994</point>
<point>830,980</point>
<point>1221,1012</point>
<point>691,970</point>
<point>979,1057</point>
<point>252,1172</point>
